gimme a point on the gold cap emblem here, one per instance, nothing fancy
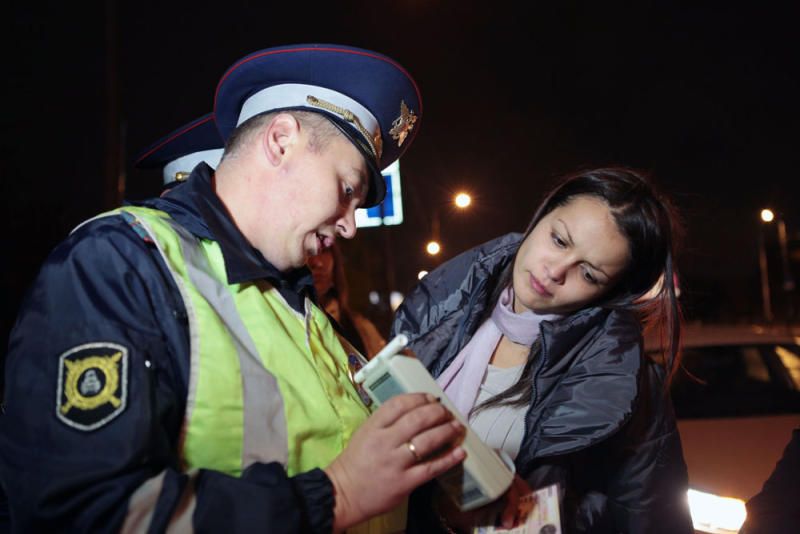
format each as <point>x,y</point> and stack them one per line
<point>403,124</point>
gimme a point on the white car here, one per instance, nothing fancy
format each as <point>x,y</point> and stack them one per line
<point>737,401</point>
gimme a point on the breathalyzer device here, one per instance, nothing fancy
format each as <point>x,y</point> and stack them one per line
<point>484,475</point>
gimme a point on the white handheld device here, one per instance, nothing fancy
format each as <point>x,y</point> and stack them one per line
<point>483,476</point>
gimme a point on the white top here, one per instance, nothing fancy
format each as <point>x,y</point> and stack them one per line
<point>500,427</point>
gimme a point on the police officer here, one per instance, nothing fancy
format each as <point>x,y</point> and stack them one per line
<point>180,151</point>
<point>168,369</point>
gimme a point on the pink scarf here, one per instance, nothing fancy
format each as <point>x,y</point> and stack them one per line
<point>462,378</point>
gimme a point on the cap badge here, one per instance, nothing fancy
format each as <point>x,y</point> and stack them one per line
<point>403,124</point>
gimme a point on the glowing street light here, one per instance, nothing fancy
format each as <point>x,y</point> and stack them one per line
<point>767,215</point>
<point>462,200</point>
<point>433,248</point>
<point>421,275</point>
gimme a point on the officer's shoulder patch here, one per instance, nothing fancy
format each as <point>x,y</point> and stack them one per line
<point>92,384</point>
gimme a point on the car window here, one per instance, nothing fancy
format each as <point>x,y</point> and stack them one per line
<point>790,358</point>
<point>734,381</point>
<point>755,369</point>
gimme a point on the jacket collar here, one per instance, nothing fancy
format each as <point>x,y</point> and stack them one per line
<point>195,205</point>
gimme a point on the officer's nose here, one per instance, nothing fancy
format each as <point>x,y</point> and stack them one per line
<point>346,226</point>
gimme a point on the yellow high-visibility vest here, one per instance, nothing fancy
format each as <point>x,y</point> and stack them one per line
<point>266,383</point>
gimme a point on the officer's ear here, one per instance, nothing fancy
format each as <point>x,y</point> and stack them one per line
<point>279,137</point>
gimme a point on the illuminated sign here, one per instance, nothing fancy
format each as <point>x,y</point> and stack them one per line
<point>390,211</point>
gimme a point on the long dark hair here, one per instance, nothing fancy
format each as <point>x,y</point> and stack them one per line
<point>649,222</point>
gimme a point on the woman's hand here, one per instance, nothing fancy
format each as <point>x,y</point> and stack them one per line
<point>408,441</point>
<point>509,517</point>
<point>503,512</point>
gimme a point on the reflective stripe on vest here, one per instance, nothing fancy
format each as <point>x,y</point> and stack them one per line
<point>301,412</point>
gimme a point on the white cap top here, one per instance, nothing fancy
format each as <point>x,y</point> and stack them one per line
<point>296,95</point>
<point>189,161</point>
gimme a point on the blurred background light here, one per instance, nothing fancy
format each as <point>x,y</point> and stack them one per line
<point>395,299</point>
<point>462,200</point>
<point>712,513</point>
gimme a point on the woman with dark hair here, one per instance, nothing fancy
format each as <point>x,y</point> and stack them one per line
<point>537,339</point>
<point>333,295</point>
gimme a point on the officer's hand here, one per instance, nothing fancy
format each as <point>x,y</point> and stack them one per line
<point>379,468</point>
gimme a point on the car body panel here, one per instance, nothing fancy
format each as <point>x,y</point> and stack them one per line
<point>732,457</point>
<point>737,401</point>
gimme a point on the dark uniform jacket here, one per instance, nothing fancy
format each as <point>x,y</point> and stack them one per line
<point>599,422</point>
<point>774,508</point>
<point>107,285</point>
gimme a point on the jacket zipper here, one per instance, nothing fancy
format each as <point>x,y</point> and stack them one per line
<point>535,390</point>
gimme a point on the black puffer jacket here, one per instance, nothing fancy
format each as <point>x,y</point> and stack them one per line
<point>599,422</point>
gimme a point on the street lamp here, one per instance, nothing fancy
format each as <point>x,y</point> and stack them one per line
<point>462,201</point>
<point>766,216</point>
<point>788,285</point>
<point>788,280</point>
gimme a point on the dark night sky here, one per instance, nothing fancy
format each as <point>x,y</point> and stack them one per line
<point>703,97</point>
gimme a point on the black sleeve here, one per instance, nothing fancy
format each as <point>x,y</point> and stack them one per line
<point>303,503</point>
<point>422,515</point>
<point>647,474</point>
<point>774,508</point>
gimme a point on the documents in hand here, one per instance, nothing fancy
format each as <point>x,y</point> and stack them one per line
<point>483,476</point>
<point>538,513</point>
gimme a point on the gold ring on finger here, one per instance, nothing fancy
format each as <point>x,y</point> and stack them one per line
<point>413,450</point>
